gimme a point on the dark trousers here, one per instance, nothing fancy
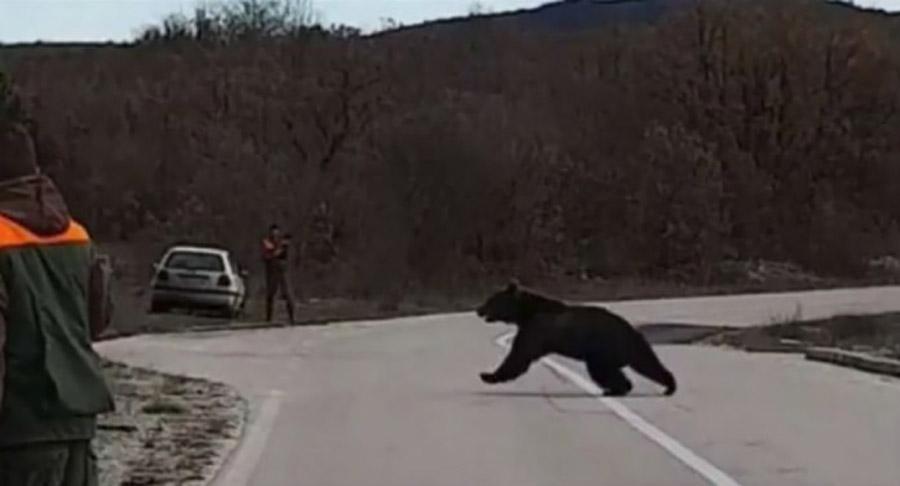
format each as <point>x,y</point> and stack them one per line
<point>69,463</point>
<point>277,282</point>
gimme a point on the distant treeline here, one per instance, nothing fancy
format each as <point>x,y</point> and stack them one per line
<point>728,130</point>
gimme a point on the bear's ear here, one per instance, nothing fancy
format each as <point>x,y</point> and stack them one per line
<point>513,285</point>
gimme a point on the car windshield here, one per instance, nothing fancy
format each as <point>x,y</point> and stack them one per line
<point>189,260</point>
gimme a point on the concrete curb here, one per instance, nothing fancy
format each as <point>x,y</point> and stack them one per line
<point>112,335</point>
<point>246,326</point>
<point>860,361</point>
<point>780,346</point>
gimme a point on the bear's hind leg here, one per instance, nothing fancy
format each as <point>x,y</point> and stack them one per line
<point>609,377</point>
<point>653,369</point>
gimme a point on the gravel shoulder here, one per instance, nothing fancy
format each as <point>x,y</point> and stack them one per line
<point>166,429</point>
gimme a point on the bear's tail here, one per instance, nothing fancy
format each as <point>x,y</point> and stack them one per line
<point>646,362</point>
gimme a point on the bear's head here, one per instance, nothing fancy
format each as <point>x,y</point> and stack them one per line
<point>504,306</point>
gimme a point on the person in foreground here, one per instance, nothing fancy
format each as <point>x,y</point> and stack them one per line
<point>52,305</point>
<point>603,340</point>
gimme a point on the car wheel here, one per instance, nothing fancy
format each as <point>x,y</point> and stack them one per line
<point>158,307</point>
<point>231,312</point>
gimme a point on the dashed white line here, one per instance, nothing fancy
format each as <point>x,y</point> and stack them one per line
<point>686,456</point>
<point>240,468</point>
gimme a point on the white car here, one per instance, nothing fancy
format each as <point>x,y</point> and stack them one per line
<point>198,277</point>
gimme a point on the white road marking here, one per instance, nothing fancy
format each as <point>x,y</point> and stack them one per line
<point>240,468</point>
<point>703,467</point>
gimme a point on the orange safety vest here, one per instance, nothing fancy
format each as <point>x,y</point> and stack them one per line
<point>13,234</point>
<point>48,322</point>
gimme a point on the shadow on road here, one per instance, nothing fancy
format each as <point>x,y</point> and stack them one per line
<point>560,394</point>
<point>676,333</point>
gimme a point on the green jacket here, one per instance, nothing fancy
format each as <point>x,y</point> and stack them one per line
<point>52,386</point>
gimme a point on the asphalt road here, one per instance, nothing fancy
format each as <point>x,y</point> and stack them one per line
<point>399,403</point>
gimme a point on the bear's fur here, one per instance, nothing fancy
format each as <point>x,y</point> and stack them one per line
<point>604,341</point>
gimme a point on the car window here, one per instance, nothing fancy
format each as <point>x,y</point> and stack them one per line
<point>187,260</point>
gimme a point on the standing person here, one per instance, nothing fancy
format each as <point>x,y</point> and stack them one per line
<point>52,305</point>
<point>275,258</point>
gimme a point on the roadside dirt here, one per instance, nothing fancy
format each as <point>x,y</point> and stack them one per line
<point>872,334</point>
<point>166,430</point>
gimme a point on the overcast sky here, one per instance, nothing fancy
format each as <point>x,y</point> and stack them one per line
<point>101,20</point>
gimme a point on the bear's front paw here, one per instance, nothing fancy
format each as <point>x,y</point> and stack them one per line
<point>488,378</point>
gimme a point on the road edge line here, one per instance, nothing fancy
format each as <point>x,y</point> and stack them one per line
<point>242,464</point>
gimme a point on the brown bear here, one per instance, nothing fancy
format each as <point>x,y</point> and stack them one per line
<point>603,340</point>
